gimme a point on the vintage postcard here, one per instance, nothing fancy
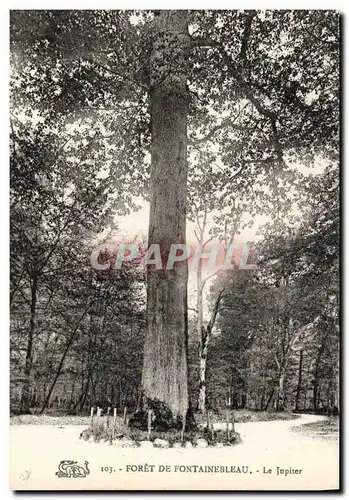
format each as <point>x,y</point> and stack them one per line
<point>174,294</point>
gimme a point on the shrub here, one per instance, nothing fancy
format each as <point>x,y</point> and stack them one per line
<point>101,432</point>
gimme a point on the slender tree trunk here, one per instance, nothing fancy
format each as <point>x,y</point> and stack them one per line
<point>202,375</point>
<point>336,390</point>
<point>93,393</point>
<point>203,340</point>
<point>315,394</point>
<point>281,392</point>
<point>269,399</point>
<point>316,376</point>
<point>72,394</point>
<point>112,396</point>
<point>85,393</point>
<point>261,405</point>
<point>165,372</point>
<point>61,363</point>
<point>25,399</point>
<point>58,372</point>
<point>299,385</point>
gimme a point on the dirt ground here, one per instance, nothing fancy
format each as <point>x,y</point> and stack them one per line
<point>274,455</point>
<point>327,430</point>
<point>239,416</point>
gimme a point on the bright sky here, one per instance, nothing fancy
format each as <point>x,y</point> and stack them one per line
<point>137,222</point>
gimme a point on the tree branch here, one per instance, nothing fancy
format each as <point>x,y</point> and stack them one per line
<point>212,320</point>
<point>203,42</point>
<point>120,75</point>
<point>246,36</point>
<point>225,123</point>
<point>246,89</point>
<point>205,280</point>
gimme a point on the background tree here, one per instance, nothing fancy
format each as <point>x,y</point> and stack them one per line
<point>277,329</point>
<point>59,202</point>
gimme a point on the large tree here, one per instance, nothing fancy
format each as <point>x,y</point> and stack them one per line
<point>165,372</point>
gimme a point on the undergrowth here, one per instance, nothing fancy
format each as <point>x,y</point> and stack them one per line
<point>102,433</point>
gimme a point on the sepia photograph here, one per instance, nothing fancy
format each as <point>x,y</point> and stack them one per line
<point>174,250</point>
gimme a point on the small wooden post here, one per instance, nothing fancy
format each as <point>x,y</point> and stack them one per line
<point>125,413</point>
<point>149,424</point>
<point>98,414</point>
<point>228,430</point>
<point>92,411</point>
<point>114,422</point>
<point>108,416</point>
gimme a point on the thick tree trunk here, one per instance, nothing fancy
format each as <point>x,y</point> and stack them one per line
<point>165,373</point>
<point>25,399</point>
<point>299,384</point>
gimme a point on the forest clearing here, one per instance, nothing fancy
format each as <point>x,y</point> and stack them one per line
<point>269,444</point>
<point>175,241</point>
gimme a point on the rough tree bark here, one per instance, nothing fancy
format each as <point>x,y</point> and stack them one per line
<point>165,372</point>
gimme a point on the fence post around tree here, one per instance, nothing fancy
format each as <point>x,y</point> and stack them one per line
<point>125,413</point>
<point>108,416</point>
<point>114,423</point>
